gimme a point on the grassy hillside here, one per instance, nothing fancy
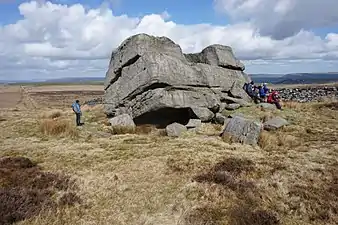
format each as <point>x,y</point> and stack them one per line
<point>95,177</point>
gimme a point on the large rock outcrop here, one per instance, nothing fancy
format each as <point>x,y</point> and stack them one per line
<point>151,79</point>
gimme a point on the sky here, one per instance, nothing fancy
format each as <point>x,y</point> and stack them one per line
<point>69,38</point>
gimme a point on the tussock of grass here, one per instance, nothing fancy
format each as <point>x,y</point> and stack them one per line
<point>59,127</point>
<point>246,207</point>
<point>275,140</point>
<point>53,114</point>
<point>97,116</point>
<point>115,130</point>
<point>229,138</point>
<point>145,129</point>
<point>247,214</point>
<point>218,127</point>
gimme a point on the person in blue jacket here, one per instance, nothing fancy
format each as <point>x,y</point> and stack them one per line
<point>263,92</point>
<point>266,89</point>
<point>77,110</point>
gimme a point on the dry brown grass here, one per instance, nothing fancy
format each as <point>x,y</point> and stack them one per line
<point>53,114</point>
<point>58,127</point>
<point>123,130</point>
<point>277,140</point>
<point>140,177</point>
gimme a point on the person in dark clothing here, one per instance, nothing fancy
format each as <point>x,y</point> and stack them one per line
<point>251,91</point>
<point>77,110</point>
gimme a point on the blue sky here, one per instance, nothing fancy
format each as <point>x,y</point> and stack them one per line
<point>186,12</point>
<point>276,36</point>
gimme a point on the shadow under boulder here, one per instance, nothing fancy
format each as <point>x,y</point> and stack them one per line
<point>165,116</point>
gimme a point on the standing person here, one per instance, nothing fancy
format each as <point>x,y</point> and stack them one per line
<point>77,110</point>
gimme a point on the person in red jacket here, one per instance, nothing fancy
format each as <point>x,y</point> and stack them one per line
<point>273,98</point>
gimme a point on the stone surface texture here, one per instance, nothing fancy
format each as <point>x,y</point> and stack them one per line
<point>245,130</point>
<point>148,76</point>
<point>175,130</point>
<point>122,120</point>
<point>275,123</point>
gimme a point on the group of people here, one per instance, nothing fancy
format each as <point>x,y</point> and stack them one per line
<point>262,93</point>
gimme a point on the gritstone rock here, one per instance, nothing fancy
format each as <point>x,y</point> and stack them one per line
<point>246,131</point>
<point>194,123</point>
<point>175,129</point>
<point>204,114</point>
<point>123,120</point>
<point>219,118</point>
<point>152,80</point>
<point>232,106</point>
<point>275,123</point>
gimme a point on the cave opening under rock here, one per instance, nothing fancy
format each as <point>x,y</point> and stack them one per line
<point>162,117</point>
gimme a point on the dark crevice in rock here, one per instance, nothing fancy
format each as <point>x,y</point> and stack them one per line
<point>200,58</point>
<point>141,90</point>
<point>118,72</point>
<point>165,116</point>
<point>230,67</point>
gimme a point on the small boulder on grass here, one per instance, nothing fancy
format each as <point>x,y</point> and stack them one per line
<point>194,123</point>
<point>275,123</point>
<point>175,130</point>
<point>232,106</point>
<point>243,130</point>
<point>122,124</point>
<point>204,114</point>
<point>219,119</point>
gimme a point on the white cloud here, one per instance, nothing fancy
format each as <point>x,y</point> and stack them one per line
<point>282,18</point>
<point>57,40</point>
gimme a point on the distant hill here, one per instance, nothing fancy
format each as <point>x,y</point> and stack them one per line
<point>296,78</point>
<point>292,78</point>
<point>75,79</point>
<point>66,80</point>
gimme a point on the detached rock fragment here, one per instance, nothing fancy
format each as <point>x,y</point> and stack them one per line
<point>244,130</point>
<point>275,123</point>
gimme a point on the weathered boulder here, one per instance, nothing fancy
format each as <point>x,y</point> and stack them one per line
<point>194,123</point>
<point>175,129</point>
<point>245,130</point>
<point>217,55</point>
<point>123,120</point>
<point>150,79</point>
<point>241,102</point>
<point>219,118</point>
<point>204,114</point>
<point>232,106</point>
<point>275,123</point>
